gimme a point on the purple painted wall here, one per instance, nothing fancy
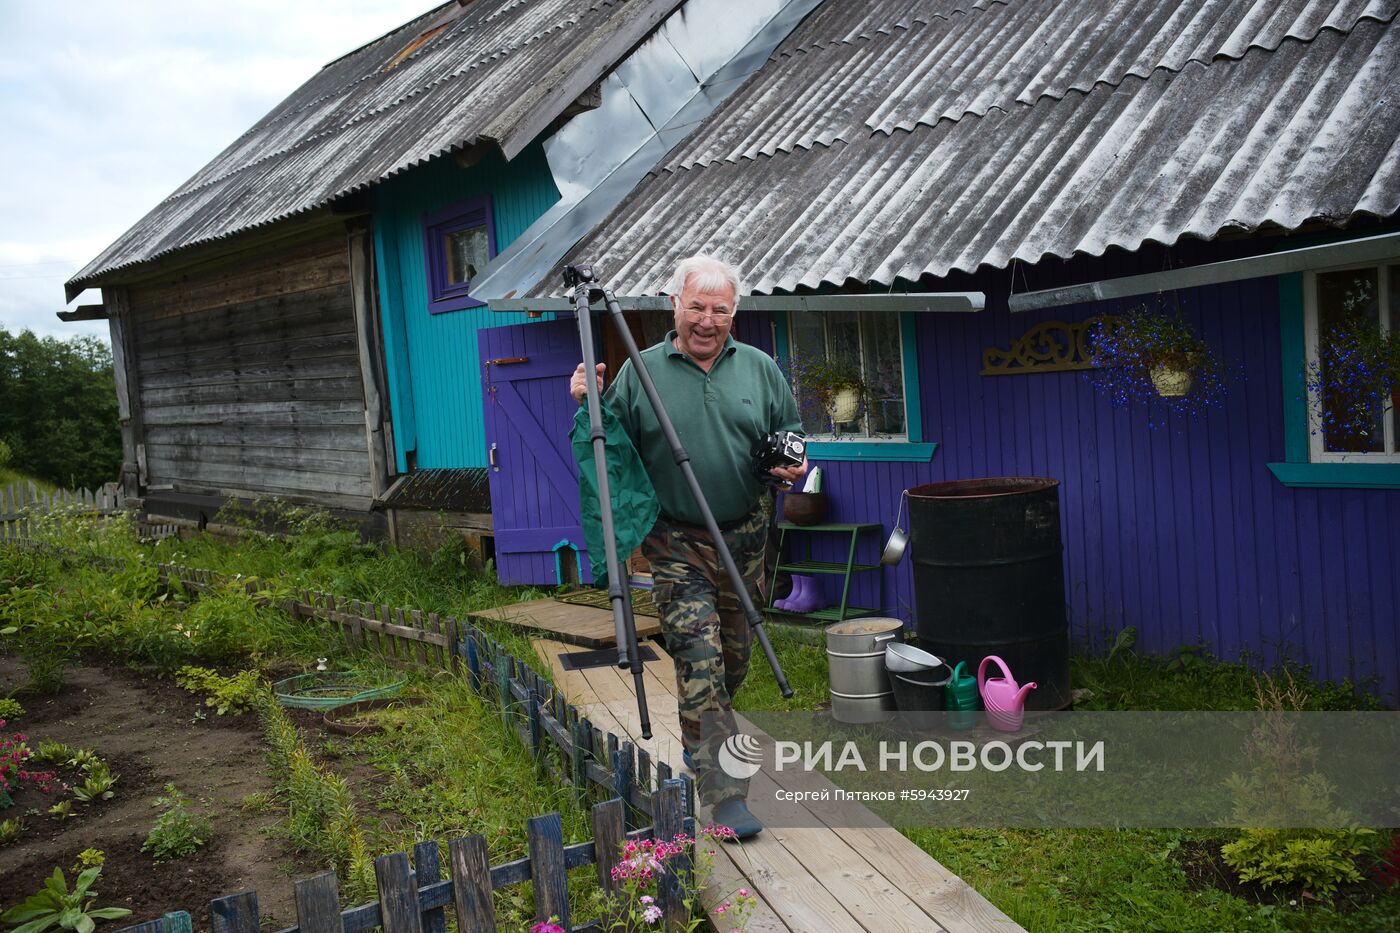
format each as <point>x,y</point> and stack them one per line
<point>1181,531</point>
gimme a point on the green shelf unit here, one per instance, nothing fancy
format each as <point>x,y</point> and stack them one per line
<point>844,569</point>
<point>830,614</point>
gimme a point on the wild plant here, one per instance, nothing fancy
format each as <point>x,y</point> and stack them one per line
<point>11,829</point>
<point>56,906</point>
<point>178,832</point>
<point>53,753</point>
<point>98,784</point>
<point>241,693</point>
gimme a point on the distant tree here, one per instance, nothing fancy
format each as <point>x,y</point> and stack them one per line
<point>58,409</point>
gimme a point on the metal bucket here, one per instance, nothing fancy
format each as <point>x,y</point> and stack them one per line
<point>989,577</point>
<point>855,653</point>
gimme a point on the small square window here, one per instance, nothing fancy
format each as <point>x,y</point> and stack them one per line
<point>458,243</point>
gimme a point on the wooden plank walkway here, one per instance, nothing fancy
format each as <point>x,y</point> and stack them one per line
<point>841,872</point>
<point>579,625</point>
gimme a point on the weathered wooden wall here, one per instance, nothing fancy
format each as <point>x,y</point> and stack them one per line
<point>248,377</point>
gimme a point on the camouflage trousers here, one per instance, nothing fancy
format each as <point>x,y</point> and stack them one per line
<point>707,634</point>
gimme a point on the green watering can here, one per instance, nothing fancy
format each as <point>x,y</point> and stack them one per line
<point>960,698</point>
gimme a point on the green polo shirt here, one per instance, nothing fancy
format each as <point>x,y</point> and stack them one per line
<point>717,416</point>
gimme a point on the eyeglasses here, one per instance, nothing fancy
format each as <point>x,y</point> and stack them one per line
<point>718,317</point>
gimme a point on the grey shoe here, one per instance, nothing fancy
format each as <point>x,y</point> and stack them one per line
<point>735,814</point>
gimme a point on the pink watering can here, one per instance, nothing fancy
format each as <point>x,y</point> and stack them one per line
<point>1002,697</point>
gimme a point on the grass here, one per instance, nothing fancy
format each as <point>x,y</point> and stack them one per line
<point>451,767</point>
<point>9,476</point>
<point>1102,879</point>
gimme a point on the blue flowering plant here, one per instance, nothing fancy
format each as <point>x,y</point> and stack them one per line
<point>1355,375</point>
<point>1153,356</point>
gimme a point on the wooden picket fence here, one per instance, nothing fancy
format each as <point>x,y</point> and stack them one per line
<point>20,503</point>
<point>563,741</point>
<point>398,636</point>
<point>413,897</point>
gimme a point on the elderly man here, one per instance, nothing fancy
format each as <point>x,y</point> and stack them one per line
<point>722,396</point>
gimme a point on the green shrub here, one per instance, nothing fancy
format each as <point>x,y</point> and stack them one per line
<point>1319,860</point>
<point>1283,791</point>
<point>10,709</point>
<point>6,454</point>
<point>178,832</point>
<point>241,693</point>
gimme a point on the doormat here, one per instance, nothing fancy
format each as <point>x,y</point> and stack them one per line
<point>603,657</point>
<point>598,599</point>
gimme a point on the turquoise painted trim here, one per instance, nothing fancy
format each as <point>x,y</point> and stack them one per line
<point>433,368</point>
<point>909,361</point>
<point>871,450</point>
<point>782,340</point>
<point>559,564</point>
<point>914,451</point>
<point>386,258</point>
<point>1297,471</point>
<point>1294,359</point>
<point>1338,475</point>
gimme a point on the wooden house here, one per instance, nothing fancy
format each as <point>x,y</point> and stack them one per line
<point>1238,161</point>
<point>296,320</point>
<point>934,182</point>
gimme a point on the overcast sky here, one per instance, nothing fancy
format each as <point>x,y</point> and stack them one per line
<point>107,107</point>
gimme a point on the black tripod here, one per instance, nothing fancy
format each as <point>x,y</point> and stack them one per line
<point>586,286</point>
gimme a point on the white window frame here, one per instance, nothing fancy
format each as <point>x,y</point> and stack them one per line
<point>833,438</point>
<point>1316,452</point>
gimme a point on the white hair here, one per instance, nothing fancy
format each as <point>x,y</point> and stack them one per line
<point>709,274</point>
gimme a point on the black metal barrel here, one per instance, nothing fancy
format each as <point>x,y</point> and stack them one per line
<point>989,578</point>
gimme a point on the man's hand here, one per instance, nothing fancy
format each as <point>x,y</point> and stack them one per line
<point>578,388</point>
<point>790,475</point>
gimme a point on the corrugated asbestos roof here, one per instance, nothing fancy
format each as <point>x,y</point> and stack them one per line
<point>501,70</point>
<point>897,139</point>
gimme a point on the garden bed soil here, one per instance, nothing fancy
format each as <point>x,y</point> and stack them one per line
<point>151,733</point>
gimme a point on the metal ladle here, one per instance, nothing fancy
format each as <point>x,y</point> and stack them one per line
<point>899,538</point>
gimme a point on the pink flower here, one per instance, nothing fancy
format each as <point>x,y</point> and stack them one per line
<point>648,899</point>
<point>743,892</point>
<point>547,928</point>
<point>651,914</point>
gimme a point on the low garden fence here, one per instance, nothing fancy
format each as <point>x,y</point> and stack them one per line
<point>413,896</point>
<point>562,740</point>
<point>21,502</point>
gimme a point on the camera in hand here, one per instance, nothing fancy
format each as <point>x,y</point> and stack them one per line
<point>779,449</point>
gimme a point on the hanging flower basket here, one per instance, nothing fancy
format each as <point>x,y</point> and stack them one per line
<point>1154,356</point>
<point>845,406</point>
<point>1171,383</point>
<point>830,391</point>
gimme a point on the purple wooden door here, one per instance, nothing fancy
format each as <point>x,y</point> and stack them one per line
<point>525,371</point>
